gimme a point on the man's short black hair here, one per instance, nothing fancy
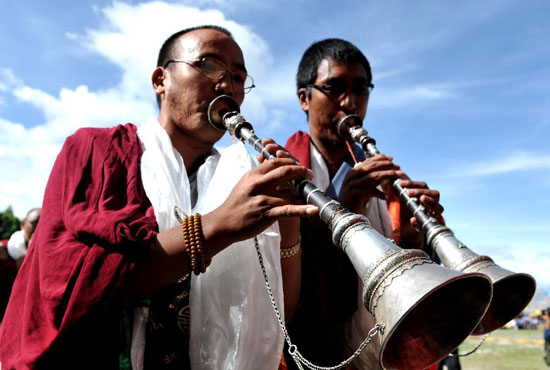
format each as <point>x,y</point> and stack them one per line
<point>339,50</point>
<point>168,48</point>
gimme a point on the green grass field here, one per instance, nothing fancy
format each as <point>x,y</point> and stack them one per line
<point>506,349</point>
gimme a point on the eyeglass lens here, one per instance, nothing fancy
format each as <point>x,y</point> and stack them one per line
<point>216,70</point>
<point>336,89</point>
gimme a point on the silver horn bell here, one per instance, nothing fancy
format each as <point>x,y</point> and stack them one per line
<point>427,310</point>
<point>511,291</point>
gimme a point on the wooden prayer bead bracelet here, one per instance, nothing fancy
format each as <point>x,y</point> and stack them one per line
<point>193,238</point>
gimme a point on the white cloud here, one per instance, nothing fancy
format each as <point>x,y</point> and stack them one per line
<point>401,97</point>
<point>129,38</point>
<point>523,260</point>
<point>8,80</point>
<point>26,156</point>
<point>516,161</point>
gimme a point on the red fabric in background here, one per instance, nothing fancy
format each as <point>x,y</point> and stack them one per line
<point>298,146</point>
<point>96,222</point>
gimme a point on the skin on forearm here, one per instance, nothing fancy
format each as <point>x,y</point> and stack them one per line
<point>167,261</point>
<point>291,267</point>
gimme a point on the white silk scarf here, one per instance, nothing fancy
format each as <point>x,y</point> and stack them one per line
<point>233,325</point>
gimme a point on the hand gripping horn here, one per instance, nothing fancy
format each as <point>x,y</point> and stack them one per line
<point>511,291</point>
<point>427,309</point>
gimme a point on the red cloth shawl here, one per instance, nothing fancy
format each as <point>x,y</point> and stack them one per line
<point>69,295</point>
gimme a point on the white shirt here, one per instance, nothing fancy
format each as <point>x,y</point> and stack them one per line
<point>233,325</point>
<point>17,245</point>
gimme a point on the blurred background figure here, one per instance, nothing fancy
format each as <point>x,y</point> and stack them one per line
<point>13,251</point>
<point>450,362</point>
<point>20,240</point>
<point>546,318</point>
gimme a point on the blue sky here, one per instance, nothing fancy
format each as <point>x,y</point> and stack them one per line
<point>461,98</point>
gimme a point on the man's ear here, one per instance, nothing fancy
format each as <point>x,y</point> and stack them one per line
<point>157,79</point>
<point>303,98</point>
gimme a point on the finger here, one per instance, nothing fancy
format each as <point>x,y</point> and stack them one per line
<point>373,178</point>
<point>291,210</point>
<point>270,200</point>
<point>380,157</point>
<point>279,170</point>
<point>272,164</point>
<point>432,205</point>
<point>268,141</point>
<point>430,194</point>
<point>283,153</point>
<point>286,188</point>
<point>374,163</point>
<point>415,224</point>
<point>271,148</point>
<point>403,176</point>
<point>274,148</point>
<point>407,183</point>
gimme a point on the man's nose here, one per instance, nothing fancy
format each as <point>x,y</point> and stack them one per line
<point>225,85</point>
<point>348,102</point>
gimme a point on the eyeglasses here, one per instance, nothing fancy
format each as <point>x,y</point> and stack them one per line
<point>214,69</point>
<point>335,90</point>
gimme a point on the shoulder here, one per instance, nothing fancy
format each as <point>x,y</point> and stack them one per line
<point>120,140</point>
<point>104,135</point>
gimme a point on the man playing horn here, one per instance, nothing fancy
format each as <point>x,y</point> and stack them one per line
<point>109,236</point>
<point>334,79</point>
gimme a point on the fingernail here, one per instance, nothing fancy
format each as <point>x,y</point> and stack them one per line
<point>311,210</point>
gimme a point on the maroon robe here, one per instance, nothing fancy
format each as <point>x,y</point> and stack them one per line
<point>68,298</point>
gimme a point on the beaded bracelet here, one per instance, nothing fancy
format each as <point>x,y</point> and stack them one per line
<point>193,239</point>
<point>291,251</point>
<point>197,231</point>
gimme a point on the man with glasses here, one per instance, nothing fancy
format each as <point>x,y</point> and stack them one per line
<point>334,79</point>
<point>108,282</point>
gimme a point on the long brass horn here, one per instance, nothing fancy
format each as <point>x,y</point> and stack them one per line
<point>427,310</point>
<point>511,291</point>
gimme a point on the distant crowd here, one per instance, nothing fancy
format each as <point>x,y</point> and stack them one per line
<point>534,321</point>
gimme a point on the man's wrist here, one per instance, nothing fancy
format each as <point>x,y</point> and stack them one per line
<point>293,250</point>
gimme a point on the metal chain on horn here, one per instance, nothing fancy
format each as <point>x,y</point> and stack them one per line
<point>473,350</point>
<point>292,348</point>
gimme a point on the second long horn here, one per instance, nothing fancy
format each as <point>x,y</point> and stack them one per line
<point>403,289</point>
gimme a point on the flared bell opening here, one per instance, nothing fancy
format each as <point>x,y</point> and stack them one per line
<point>511,294</point>
<point>218,107</point>
<point>437,324</point>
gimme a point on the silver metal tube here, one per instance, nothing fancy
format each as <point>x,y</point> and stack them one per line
<point>400,286</point>
<point>512,291</point>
